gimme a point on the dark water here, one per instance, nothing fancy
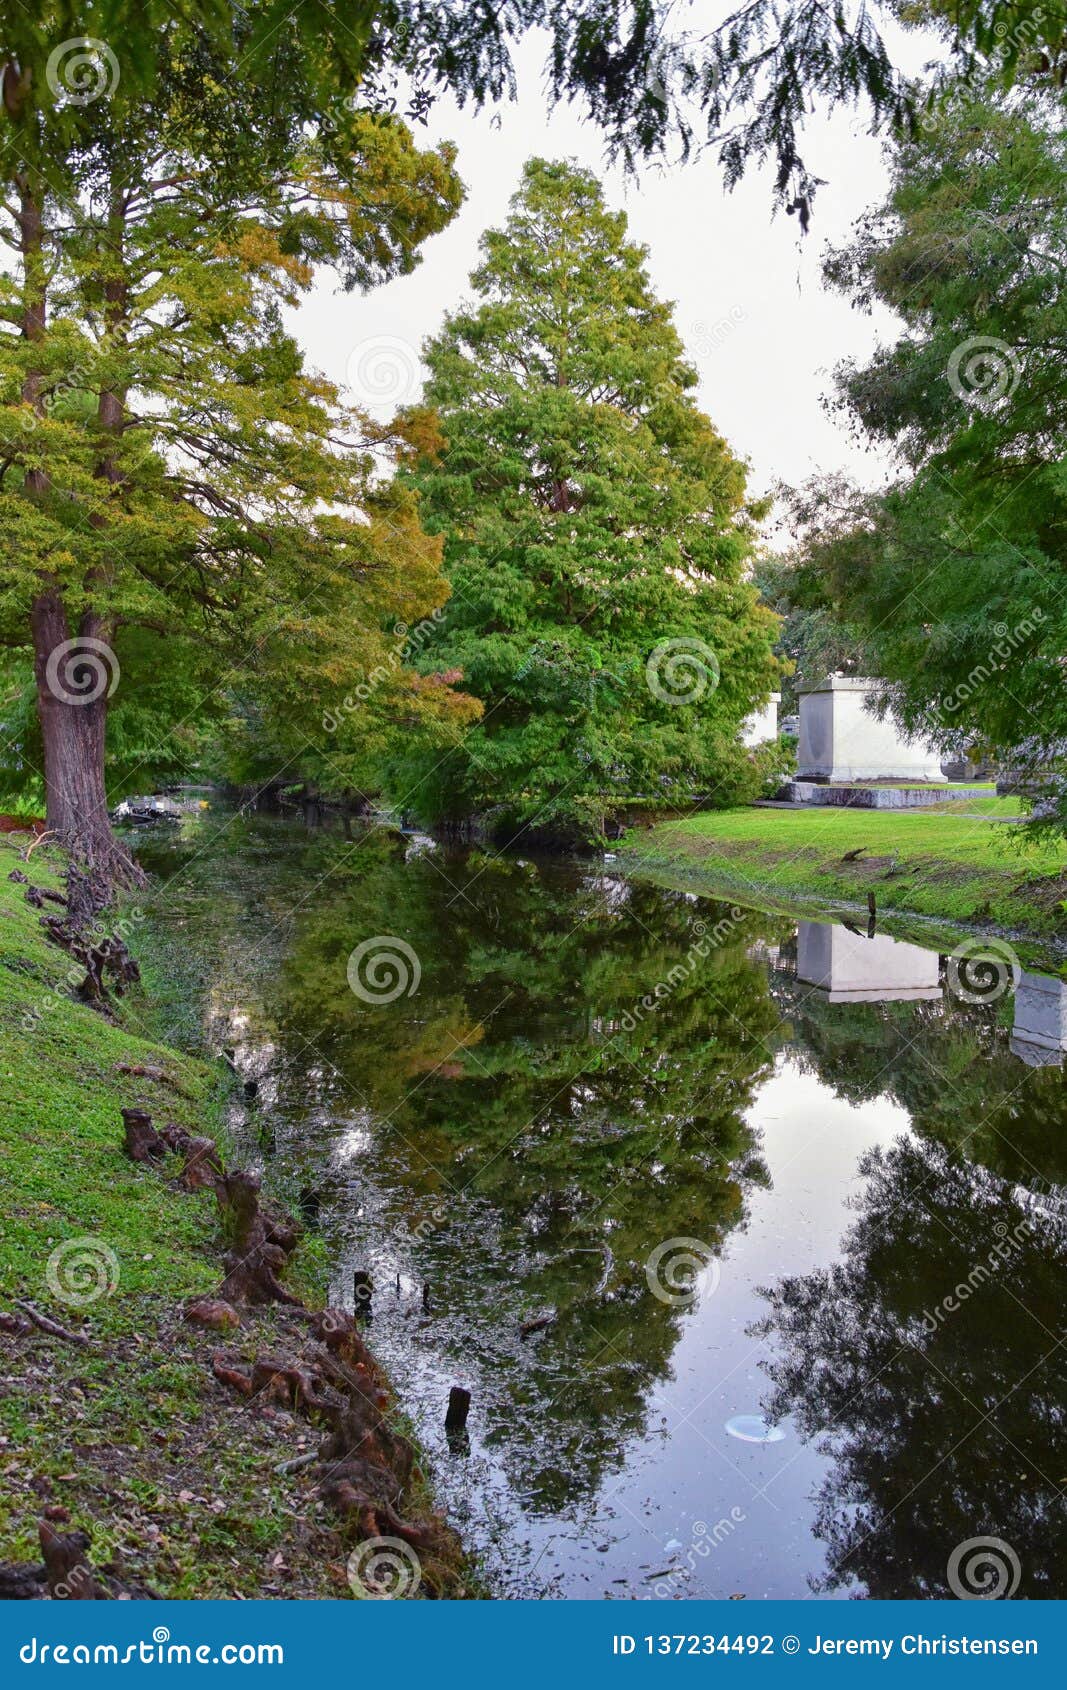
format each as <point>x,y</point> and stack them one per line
<point>752,1177</point>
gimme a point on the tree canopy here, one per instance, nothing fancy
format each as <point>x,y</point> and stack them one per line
<point>171,474</point>
<point>658,80</point>
<point>955,579</point>
<point>597,533</point>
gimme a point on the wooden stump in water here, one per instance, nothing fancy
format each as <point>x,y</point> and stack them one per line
<point>459,1404</point>
<point>362,1291</point>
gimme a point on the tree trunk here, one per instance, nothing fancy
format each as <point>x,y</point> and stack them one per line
<point>73,677</point>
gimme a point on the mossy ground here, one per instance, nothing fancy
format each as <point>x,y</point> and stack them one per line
<point>961,863</point>
<point>132,1436</point>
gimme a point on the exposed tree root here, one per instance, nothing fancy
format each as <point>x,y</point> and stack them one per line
<point>213,1313</point>
<point>38,896</point>
<point>261,1240</point>
<point>94,877</point>
<point>102,958</point>
<point>148,1143</point>
<point>65,1575</point>
<point>363,1468</point>
<point>144,1071</point>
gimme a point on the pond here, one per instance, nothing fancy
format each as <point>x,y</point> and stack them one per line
<point>745,1234</point>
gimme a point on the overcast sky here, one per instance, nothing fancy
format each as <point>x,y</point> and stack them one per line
<point>756,321</point>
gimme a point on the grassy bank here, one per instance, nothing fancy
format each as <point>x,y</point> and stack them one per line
<point>130,1437</point>
<point>956,864</point>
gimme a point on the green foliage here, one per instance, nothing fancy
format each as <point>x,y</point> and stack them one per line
<point>597,534</point>
<point>813,640</point>
<point>662,80</point>
<point>955,580</point>
<point>169,469</point>
<point>655,82</point>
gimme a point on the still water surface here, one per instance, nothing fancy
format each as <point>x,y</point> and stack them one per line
<point>746,1234</point>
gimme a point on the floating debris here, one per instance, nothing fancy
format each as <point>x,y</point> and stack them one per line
<point>753,1429</point>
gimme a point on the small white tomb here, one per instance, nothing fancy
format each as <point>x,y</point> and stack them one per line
<point>851,968</point>
<point>840,740</point>
<point>762,725</point>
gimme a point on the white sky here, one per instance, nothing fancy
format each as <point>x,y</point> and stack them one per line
<point>755,318</point>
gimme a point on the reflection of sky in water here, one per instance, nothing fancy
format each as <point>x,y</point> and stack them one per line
<point>689,1469</point>
<point>693,1487</point>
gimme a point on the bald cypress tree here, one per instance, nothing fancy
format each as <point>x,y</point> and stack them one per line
<point>597,535</point>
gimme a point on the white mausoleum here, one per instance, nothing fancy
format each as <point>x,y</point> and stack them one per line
<point>840,740</point>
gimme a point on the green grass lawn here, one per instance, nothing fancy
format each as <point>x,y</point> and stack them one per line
<point>953,862</point>
<point>131,1439</point>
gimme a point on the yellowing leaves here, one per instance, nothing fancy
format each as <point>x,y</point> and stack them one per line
<point>258,248</point>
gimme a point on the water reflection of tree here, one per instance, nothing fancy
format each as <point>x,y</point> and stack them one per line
<point>948,1064</point>
<point>944,1426</point>
<point>561,1129</point>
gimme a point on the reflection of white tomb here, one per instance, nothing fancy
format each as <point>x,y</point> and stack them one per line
<point>841,740</point>
<point>850,968</point>
<point>762,725</point>
<point>1039,1032</point>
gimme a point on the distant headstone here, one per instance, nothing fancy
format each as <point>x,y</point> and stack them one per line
<point>762,726</point>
